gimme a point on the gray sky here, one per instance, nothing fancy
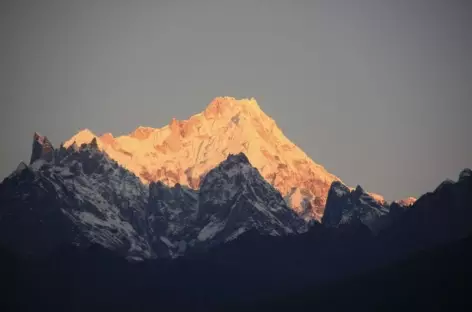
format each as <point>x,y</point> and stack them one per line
<point>379,92</point>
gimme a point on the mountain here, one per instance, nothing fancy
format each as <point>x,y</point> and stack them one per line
<point>72,196</point>
<point>233,199</point>
<point>346,206</point>
<point>78,195</point>
<point>403,267</point>
<point>183,151</point>
<point>83,213</point>
<point>441,216</point>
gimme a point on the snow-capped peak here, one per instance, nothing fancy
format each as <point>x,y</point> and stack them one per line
<point>84,136</point>
<point>78,195</point>
<point>232,174</point>
<point>233,199</point>
<point>183,151</point>
<point>242,191</point>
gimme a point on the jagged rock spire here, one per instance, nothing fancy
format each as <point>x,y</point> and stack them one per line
<point>42,148</point>
<point>94,143</point>
<point>347,207</point>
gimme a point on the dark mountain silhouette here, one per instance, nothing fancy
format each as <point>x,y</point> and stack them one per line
<point>78,232</point>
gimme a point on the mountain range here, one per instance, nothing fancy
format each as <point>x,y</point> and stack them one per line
<point>420,259</point>
<point>78,195</point>
<point>185,150</point>
<point>162,192</point>
<point>222,204</point>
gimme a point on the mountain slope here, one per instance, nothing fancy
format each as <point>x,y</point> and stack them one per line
<point>233,199</point>
<point>436,217</point>
<point>69,200</point>
<point>184,151</point>
<point>78,195</point>
<point>74,195</point>
<point>237,198</point>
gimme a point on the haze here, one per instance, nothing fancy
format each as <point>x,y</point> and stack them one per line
<point>378,92</point>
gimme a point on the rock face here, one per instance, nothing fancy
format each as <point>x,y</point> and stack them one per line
<point>346,206</point>
<point>171,216</point>
<point>441,216</point>
<point>233,199</point>
<point>184,151</point>
<point>42,148</point>
<point>76,196</point>
<point>339,201</point>
<point>80,196</point>
<point>274,266</point>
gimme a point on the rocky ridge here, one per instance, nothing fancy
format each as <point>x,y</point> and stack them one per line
<point>78,195</point>
<point>347,206</point>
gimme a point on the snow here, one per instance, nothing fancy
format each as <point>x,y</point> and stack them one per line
<point>235,234</point>
<point>89,218</point>
<point>346,217</point>
<point>92,204</point>
<point>64,172</point>
<point>100,232</point>
<point>166,241</point>
<point>209,141</point>
<point>364,202</point>
<point>210,230</point>
<point>262,209</point>
<point>22,166</point>
<point>339,192</point>
<point>37,164</point>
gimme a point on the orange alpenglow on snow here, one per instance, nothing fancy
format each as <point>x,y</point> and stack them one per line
<point>407,201</point>
<point>184,151</point>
